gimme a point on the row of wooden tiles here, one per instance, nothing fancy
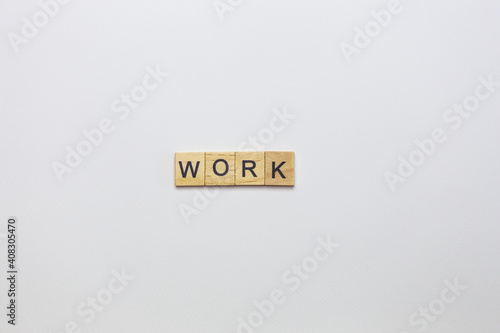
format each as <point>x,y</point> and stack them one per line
<point>235,168</point>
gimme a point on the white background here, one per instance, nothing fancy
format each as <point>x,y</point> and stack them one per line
<point>119,209</point>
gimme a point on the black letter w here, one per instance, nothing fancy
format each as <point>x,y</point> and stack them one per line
<point>189,166</point>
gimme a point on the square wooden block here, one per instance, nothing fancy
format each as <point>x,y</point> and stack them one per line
<point>280,168</point>
<point>219,168</point>
<point>249,168</point>
<point>189,169</point>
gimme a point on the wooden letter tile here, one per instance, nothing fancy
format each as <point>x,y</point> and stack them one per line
<point>280,168</point>
<point>219,168</point>
<point>189,169</point>
<point>249,168</point>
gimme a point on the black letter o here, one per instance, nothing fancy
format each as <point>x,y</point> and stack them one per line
<point>215,167</point>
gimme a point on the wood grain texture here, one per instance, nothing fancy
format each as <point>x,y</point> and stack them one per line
<point>189,169</point>
<point>219,169</point>
<point>280,168</point>
<point>249,168</point>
